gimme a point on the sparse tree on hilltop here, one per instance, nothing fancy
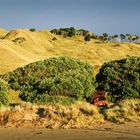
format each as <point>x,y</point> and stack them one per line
<point>105,36</point>
<point>87,37</point>
<point>32,29</point>
<point>122,36</point>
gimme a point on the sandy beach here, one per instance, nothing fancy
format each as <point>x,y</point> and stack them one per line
<point>129,131</point>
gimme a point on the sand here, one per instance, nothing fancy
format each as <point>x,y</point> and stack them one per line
<point>129,131</point>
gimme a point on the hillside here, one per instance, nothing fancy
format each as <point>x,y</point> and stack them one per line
<point>3,32</point>
<point>21,46</point>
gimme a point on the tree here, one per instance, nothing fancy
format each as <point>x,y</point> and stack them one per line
<point>4,99</point>
<point>115,36</point>
<point>105,37</point>
<point>53,78</point>
<point>129,37</point>
<point>32,29</point>
<point>84,32</point>
<point>137,38</point>
<point>87,37</point>
<point>54,31</point>
<point>122,36</point>
<point>71,32</point>
<point>102,38</point>
<point>134,38</point>
<point>109,38</point>
<point>121,77</point>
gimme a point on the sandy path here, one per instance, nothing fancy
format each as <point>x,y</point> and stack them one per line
<point>130,131</point>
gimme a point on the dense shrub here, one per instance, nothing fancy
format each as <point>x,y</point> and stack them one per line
<point>4,100</point>
<point>87,38</point>
<point>61,76</point>
<point>121,77</point>
<point>32,29</point>
<point>70,32</point>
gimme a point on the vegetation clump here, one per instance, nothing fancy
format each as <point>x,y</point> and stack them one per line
<point>105,37</point>
<point>87,37</point>
<point>124,111</point>
<point>19,40</point>
<point>70,32</point>
<point>121,77</point>
<point>4,99</point>
<point>53,80</point>
<point>32,29</point>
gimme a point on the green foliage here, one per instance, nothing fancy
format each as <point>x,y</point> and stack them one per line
<point>69,32</point>
<point>105,37</point>
<point>61,76</point>
<point>121,77</point>
<point>65,100</point>
<point>87,38</point>
<point>83,32</point>
<point>122,36</point>
<point>4,100</point>
<point>32,29</point>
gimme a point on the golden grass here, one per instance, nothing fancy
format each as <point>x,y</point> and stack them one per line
<point>39,45</point>
<point>14,96</point>
<point>126,110</point>
<point>79,115</point>
<point>3,32</point>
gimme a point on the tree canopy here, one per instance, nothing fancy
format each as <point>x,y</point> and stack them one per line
<point>121,77</point>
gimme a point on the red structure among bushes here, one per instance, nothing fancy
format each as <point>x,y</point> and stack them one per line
<point>99,98</point>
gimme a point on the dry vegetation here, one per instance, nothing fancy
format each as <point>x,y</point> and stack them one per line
<point>80,115</point>
<point>124,111</point>
<point>41,45</point>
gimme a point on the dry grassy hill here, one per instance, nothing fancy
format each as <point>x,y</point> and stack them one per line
<point>20,47</point>
<point>3,32</point>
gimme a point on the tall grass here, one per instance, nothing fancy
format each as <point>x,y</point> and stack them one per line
<point>124,111</point>
<point>79,115</point>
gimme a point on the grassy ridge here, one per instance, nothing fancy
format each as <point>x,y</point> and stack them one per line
<point>40,45</point>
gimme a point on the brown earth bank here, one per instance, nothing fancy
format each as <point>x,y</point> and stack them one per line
<point>108,131</point>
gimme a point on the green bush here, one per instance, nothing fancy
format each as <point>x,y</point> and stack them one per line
<point>60,76</point>
<point>70,32</point>
<point>121,77</point>
<point>87,38</point>
<point>4,100</point>
<point>43,99</point>
<point>32,29</point>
